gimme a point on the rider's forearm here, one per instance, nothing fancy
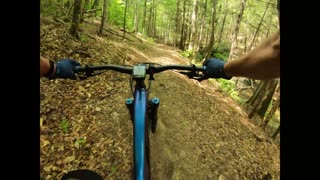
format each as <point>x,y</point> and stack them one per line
<point>45,66</point>
<point>261,63</point>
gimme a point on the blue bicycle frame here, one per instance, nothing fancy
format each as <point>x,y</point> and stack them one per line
<point>138,112</point>
<point>143,112</point>
<point>140,107</point>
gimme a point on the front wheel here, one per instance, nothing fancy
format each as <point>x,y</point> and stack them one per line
<point>82,174</point>
<point>147,153</point>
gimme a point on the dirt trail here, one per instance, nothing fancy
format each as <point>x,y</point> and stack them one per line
<point>202,133</point>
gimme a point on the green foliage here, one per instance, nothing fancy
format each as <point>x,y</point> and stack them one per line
<point>224,47</point>
<point>166,17</point>
<point>64,125</point>
<point>113,169</point>
<point>116,12</point>
<point>199,56</point>
<point>83,38</point>
<point>79,142</point>
<point>230,88</point>
<point>150,40</point>
<point>223,56</point>
<point>198,64</point>
<point>48,8</point>
<point>273,123</point>
<point>221,51</point>
<point>186,53</point>
<point>184,122</point>
<point>235,95</point>
<point>226,85</point>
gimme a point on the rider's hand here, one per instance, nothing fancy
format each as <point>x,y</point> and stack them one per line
<point>215,68</point>
<point>64,69</point>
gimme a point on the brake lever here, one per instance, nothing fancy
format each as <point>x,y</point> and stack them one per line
<point>194,76</point>
<point>200,78</point>
<point>86,73</point>
<point>189,74</point>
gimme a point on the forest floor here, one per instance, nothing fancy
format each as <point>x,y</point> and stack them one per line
<point>202,133</point>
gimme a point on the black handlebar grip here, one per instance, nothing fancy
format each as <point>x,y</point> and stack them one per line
<point>76,69</point>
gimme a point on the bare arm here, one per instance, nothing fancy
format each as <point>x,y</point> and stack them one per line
<point>45,66</point>
<point>261,63</point>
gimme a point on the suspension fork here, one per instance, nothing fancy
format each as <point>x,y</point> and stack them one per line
<point>129,104</point>
<point>152,111</point>
<point>130,101</point>
<point>153,105</point>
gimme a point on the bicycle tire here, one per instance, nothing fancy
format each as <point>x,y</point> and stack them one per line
<point>147,151</point>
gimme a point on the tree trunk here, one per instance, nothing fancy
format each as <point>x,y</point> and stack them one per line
<point>272,85</point>
<point>84,9</point>
<point>124,20</point>
<point>236,30</point>
<point>169,30</point>
<point>183,31</point>
<point>76,19</point>
<point>245,40</point>
<point>268,26</point>
<point>261,91</point>
<point>211,42</point>
<point>188,24</point>
<point>203,21</point>
<point>258,28</point>
<point>177,30</point>
<point>259,98</point>
<point>136,17</point>
<point>223,21</point>
<point>255,94</point>
<point>193,35</point>
<point>94,5</point>
<point>275,105</point>
<point>276,132</point>
<point>144,16</point>
<point>149,22</point>
<point>104,14</point>
<point>154,21</point>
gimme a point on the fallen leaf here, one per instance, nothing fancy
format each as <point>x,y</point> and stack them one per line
<point>41,122</point>
<point>115,114</point>
<point>221,177</point>
<point>45,143</point>
<point>59,162</point>
<point>98,109</point>
<point>47,168</point>
<point>69,159</point>
<point>81,88</point>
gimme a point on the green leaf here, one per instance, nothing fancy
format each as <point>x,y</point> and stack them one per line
<point>113,169</point>
<point>64,125</point>
<point>79,142</point>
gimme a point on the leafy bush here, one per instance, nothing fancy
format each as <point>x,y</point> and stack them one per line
<point>199,56</point>
<point>222,56</point>
<point>226,85</point>
<point>221,51</point>
<point>186,54</point>
<point>229,87</point>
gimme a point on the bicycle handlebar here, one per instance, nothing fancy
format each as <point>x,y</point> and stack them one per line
<point>129,69</point>
<point>122,69</point>
<point>150,69</point>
